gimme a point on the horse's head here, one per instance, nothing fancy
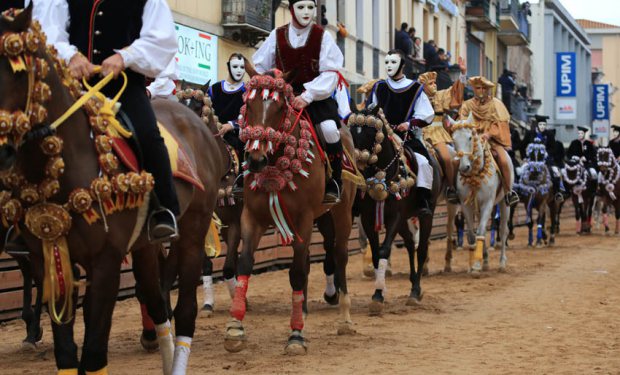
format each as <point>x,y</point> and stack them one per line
<point>573,170</point>
<point>466,143</point>
<point>194,99</point>
<point>22,92</point>
<point>368,132</point>
<point>265,117</point>
<point>536,151</point>
<point>605,158</point>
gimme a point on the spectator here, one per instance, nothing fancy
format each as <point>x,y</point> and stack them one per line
<point>402,40</point>
<point>430,54</point>
<point>508,84</point>
<point>417,50</point>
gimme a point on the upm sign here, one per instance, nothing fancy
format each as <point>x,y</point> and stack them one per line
<point>600,107</point>
<point>566,76</point>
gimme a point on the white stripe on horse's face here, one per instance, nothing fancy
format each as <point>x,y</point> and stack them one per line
<point>463,144</point>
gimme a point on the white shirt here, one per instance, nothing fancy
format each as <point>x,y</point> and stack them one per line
<point>231,87</point>
<point>331,58</point>
<point>164,85</point>
<point>422,110</point>
<point>148,55</point>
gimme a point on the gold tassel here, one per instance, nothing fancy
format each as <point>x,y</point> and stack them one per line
<point>58,283</point>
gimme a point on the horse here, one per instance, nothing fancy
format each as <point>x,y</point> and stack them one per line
<point>87,206</point>
<point>229,208</point>
<point>583,190</point>
<point>479,188</point>
<point>536,193</point>
<point>387,199</point>
<point>609,185</point>
<point>284,186</point>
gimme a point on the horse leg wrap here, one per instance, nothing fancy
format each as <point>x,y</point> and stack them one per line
<point>207,285</point>
<point>103,371</point>
<point>605,220</point>
<point>166,346</point>
<point>68,371</point>
<point>578,226</point>
<point>147,322</point>
<point>237,310</point>
<point>232,285</point>
<point>479,248</point>
<point>181,355</point>
<point>297,314</point>
<point>380,274</point>
<point>330,287</point>
<point>539,232</point>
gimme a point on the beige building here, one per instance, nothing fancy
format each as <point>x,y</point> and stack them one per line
<point>605,48</point>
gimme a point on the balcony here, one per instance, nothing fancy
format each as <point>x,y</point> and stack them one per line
<point>247,21</point>
<point>514,27</point>
<point>482,14</point>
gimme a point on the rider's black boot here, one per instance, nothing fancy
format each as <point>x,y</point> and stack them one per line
<point>333,185</point>
<point>423,205</point>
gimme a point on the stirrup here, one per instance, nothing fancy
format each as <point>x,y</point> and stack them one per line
<point>170,233</point>
<point>451,196</point>
<point>12,247</point>
<point>329,197</point>
<point>512,198</point>
<point>559,197</point>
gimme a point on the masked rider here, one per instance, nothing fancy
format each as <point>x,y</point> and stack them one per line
<point>492,120</point>
<point>408,109</point>
<point>585,150</point>
<point>307,50</point>
<point>547,138</point>
<point>443,101</point>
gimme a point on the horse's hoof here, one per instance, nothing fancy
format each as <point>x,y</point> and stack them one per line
<point>502,269</point>
<point>369,271</point>
<point>207,310</point>
<point>491,248</point>
<point>460,248</point>
<point>447,269</point>
<point>511,236</point>
<point>235,340</point>
<point>539,246</point>
<point>296,344</point>
<point>415,298</point>
<point>485,267</point>
<point>151,345</point>
<point>331,300</point>
<point>28,346</point>
<point>346,328</point>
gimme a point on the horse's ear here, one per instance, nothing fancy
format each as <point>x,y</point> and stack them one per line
<point>206,86</point>
<point>183,85</point>
<point>21,22</point>
<point>249,67</point>
<point>451,121</point>
<point>470,118</point>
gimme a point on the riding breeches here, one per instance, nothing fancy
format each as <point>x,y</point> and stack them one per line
<point>447,162</point>
<point>137,106</point>
<point>505,165</point>
<point>425,172</point>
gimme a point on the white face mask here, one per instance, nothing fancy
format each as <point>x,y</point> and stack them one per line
<point>581,135</point>
<point>542,126</point>
<point>392,63</point>
<point>305,12</point>
<point>237,69</point>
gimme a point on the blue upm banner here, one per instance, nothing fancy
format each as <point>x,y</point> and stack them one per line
<point>566,74</point>
<point>600,107</point>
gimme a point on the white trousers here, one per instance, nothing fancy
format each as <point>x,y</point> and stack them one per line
<point>330,131</point>
<point>425,172</point>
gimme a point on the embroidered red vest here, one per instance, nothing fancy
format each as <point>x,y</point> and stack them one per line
<point>303,60</point>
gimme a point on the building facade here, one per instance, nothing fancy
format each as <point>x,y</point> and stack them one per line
<point>561,68</point>
<point>605,48</point>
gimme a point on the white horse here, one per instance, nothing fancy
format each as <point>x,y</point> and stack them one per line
<point>479,187</point>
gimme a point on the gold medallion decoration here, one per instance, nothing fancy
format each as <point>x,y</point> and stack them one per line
<point>48,221</point>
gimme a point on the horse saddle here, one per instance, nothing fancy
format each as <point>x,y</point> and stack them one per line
<point>412,163</point>
<point>129,152</point>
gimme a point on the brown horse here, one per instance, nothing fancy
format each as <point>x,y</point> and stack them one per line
<point>99,247</point>
<point>583,190</point>
<point>609,184</point>
<point>292,208</point>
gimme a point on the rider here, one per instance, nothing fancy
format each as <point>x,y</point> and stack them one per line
<point>585,150</point>
<point>547,138</point>
<point>138,37</point>
<point>227,99</point>
<point>614,143</point>
<point>307,50</point>
<point>407,107</point>
<point>492,120</point>
<point>443,101</point>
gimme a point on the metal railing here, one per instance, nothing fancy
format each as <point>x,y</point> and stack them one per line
<point>256,13</point>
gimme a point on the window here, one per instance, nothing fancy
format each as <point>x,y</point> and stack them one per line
<point>359,19</point>
<point>449,40</point>
<point>426,37</point>
<point>340,42</point>
<point>376,31</point>
<point>359,56</point>
<point>375,63</point>
<point>436,30</point>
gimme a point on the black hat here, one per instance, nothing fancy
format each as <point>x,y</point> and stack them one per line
<point>583,129</point>
<point>616,127</point>
<point>292,2</point>
<point>541,118</point>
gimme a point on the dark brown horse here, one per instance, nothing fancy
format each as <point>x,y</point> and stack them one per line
<point>583,190</point>
<point>390,201</point>
<point>609,184</point>
<point>99,248</point>
<point>268,202</point>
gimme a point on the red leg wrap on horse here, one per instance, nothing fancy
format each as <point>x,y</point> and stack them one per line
<point>147,322</point>
<point>297,315</point>
<point>237,310</point>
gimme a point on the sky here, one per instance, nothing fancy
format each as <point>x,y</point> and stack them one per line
<point>597,10</point>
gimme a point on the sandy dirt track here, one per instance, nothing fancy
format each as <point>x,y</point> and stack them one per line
<point>556,311</point>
